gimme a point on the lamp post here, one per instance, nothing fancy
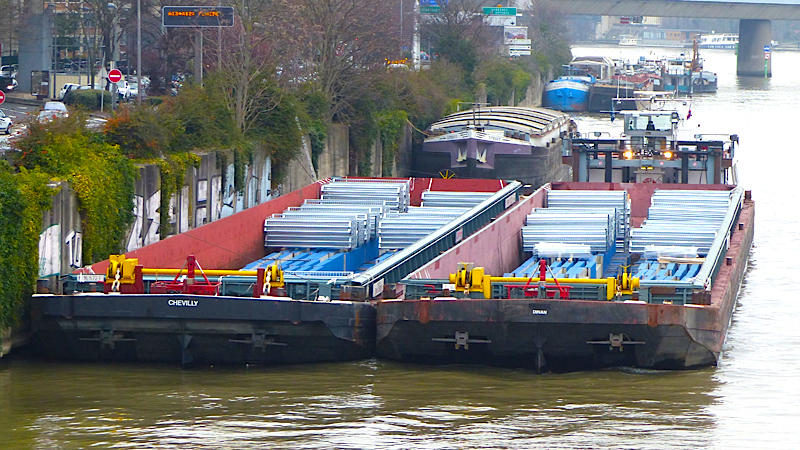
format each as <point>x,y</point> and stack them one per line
<point>112,8</point>
<point>138,52</point>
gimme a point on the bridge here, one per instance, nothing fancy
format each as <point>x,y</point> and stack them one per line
<point>755,28</point>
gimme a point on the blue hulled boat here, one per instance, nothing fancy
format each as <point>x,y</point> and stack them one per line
<point>568,93</point>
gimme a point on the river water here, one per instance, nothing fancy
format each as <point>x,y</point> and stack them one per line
<point>751,400</point>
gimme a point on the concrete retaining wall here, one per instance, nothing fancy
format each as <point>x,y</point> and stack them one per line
<point>334,160</point>
<point>207,195</point>
<point>533,96</point>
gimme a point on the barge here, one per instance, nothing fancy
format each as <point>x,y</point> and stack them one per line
<point>290,281</point>
<point>507,143</point>
<point>637,262</point>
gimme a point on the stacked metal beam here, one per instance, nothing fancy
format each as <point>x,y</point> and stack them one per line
<point>569,227</point>
<point>345,220</point>
<point>588,201</point>
<point>399,230</point>
<point>453,198</point>
<point>396,194</point>
<point>300,232</point>
<point>375,213</point>
<point>688,219</point>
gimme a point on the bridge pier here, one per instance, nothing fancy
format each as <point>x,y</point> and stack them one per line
<point>753,36</point>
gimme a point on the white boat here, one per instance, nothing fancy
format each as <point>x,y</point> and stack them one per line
<point>629,39</point>
<point>722,40</point>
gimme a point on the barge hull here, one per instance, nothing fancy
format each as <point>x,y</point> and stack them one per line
<point>557,347</point>
<point>190,329</point>
<point>566,335</point>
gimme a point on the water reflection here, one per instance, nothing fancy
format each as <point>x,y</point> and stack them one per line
<point>752,83</point>
<point>371,404</point>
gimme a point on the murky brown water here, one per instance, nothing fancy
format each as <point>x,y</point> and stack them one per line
<point>752,400</point>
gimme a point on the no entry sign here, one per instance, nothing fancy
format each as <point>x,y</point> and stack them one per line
<point>2,96</point>
<point>114,76</point>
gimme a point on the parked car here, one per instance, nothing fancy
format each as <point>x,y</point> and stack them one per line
<point>5,123</point>
<point>66,88</point>
<point>52,110</point>
<point>8,72</point>
<point>8,84</point>
<point>123,90</point>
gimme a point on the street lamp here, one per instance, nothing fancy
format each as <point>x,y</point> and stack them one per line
<point>112,8</point>
<point>138,52</point>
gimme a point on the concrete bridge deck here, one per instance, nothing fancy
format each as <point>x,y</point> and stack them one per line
<point>755,28</point>
<point>682,8</point>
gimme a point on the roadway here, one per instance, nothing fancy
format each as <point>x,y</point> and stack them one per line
<point>21,114</point>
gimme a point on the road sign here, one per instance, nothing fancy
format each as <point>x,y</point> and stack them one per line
<point>766,49</point>
<point>429,10</point>
<point>197,16</point>
<point>2,97</point>
<point>114,76</point>
<point>492,11</point>
<point>766,55</point>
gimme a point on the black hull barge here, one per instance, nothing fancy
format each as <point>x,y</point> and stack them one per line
<point>203,329</point>
<point>290,281</point>
<point>657,314</point>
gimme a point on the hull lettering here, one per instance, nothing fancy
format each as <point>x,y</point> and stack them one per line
<point>190,303</point>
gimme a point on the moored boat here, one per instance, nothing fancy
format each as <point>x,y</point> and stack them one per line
<point>577,311</point>
<point>569,93</point>
<point>726,41</point>
<point>629,40</point>
<point>502,142</point>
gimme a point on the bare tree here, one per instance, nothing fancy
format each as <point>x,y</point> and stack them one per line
<point>458,33</point>
<point>346,41</point>
<point>547,33</point>
<point>248,55</point>
<point>9,24</point>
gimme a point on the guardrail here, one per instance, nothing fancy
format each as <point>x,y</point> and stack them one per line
<point>710,268</point>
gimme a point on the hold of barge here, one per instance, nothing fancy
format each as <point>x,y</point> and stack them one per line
<point>288,281</point>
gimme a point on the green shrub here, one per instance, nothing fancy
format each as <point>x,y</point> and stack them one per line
<point>102,178</point>
<point>88,98</point>
<point>23,200</point>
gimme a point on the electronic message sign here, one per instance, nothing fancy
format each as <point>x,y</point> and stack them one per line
<point>197,16</point>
